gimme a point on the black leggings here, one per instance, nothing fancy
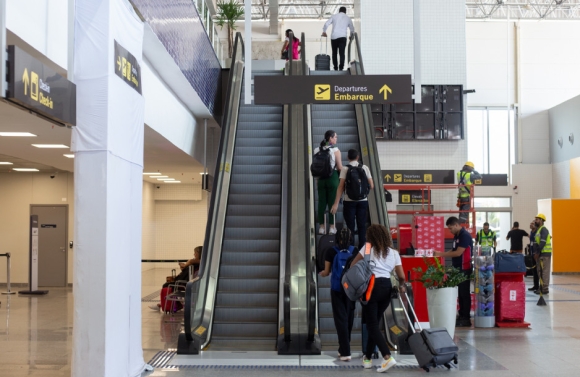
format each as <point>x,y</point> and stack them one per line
<point>373,313</point>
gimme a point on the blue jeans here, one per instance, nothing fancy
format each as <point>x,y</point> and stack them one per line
<point>356,211</point>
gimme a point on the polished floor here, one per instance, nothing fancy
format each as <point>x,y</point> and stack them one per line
<point>36,340</point>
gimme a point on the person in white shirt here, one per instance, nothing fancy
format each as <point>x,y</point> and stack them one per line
<point>384,260</point>
<point>353,209</point>
<point>340,23</point>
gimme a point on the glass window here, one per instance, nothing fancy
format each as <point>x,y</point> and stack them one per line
<point>492,202</point>
<point>491,139</point>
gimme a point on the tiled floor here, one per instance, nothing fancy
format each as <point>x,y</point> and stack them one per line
<point>36,340</point>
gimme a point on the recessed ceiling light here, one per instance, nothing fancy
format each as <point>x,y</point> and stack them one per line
<point>24,169</point>
<point>49,146</point>
<point>172,182</point>
<point>20,134</point>
<point>151,173</point>
<point>69,155</point>
<point>202,173</point>
<point>166,179</point>
<point>160,176</point>
<point>6,163</point>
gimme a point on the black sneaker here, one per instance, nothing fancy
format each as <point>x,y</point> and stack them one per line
<point>463,323</point>
<point>533,289</point>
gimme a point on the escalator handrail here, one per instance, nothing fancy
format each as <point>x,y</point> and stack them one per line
<point>312,303</point>
<point>216,193</point>
<point>358,54</point>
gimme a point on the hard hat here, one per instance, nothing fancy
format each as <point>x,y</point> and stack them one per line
<point>470,164</point>
<point>541,216</point>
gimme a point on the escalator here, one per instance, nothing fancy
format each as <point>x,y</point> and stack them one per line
<point>234,302</point>
<point>353,125</point>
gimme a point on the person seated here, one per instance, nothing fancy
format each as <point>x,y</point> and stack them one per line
<point>183,275</point>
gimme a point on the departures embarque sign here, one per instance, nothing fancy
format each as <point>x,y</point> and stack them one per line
<point>332,89</point>
<point>37,87</point>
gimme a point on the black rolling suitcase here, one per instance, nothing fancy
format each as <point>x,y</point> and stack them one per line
<point>322,61</point>
<point>529,261</point>
<point>431,347</point>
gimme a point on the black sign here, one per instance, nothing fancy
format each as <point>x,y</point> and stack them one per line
<point>492,180</point>
<point>332,89</point>
<point>39,88</point>
<point>406,177</point>
<point>414,196</point>
<point>48,225</point>
<point>127,67</point>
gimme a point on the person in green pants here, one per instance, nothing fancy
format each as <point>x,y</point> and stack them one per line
<point>327,186</point>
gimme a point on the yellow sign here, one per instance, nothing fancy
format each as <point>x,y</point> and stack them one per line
<point>200,330</point>
<point>322,92</point>
<point>477,181</point>
<point>388,177</point>
<point>406,199</point>
<point>398,177</point>
<point>227,167</point>
<point>427,178</point>
<point>384,90</point>
<point>281,330</point>
<point>32,82</point>
<point>365,152</point>
<point>396,330</point>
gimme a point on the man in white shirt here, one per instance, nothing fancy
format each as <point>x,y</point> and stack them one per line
<point>354,209</point>
<point>340,23</point>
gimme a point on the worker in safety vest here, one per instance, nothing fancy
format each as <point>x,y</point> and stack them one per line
<point>486,237</point>
<point>465,178</point>
<point>543,256</point>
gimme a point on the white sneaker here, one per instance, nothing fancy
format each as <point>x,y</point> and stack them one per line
<point>154,307</point>
<point>387,364</point>
<point>321,230</point>
<point>345,358</point>
<point>332,230</point>
<point>367,364</point>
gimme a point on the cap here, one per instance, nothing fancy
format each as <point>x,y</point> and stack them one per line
<point>470,164</point>
<point>541,216</point>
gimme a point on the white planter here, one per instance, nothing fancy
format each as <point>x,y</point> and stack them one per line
<point>442,306</point>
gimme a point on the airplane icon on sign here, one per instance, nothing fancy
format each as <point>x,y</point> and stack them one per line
<point>322,92</point>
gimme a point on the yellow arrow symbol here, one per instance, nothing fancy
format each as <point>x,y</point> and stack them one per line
<point>388,177</point>
<point>384,90</point>
<point>119,62</point>
<point>25,80</point>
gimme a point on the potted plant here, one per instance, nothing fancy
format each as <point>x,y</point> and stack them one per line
<point>228,12</point>
<point>441,283</point>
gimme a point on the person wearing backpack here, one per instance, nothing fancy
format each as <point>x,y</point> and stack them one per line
<point>342,306</point>
<point>384,260</point>
<point>326,164</point>
<point>357,182</point>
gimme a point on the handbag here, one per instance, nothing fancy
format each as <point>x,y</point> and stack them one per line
<point>285,54</point>
<point>505,262</point>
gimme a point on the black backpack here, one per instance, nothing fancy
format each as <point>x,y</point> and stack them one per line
<point>357,183</point>
<point>321,167</point>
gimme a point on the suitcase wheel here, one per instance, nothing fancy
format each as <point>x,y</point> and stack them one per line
<point>447,366</point>
<point>455,360</point>
<point>426,369</point>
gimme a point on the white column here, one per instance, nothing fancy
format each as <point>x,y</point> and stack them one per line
<point>108,146</point>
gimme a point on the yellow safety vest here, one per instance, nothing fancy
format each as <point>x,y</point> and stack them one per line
<point>464,178</point>
<point>548,246</point>
<point>486,239</point>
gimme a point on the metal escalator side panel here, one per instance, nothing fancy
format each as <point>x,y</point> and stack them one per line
<point>204,311</point>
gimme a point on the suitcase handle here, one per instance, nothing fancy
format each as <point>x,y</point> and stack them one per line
<point>407,314</point>
<point>326,45</point>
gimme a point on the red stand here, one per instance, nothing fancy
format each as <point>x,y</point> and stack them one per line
<point>419,291</point>
<point>510,299</point>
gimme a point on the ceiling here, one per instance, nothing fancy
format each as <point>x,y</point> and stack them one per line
<point>160,155</point>
<point>475,9</point>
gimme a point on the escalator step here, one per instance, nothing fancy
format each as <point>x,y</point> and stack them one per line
<point>260,178</point>
<point>257,117</point>
<point>247,315</point>
<point>252,200</point>
<point>258,160</point>
<point>260,125</point>
<point>244,210</point>
<point>252,234</point>
<point>256,189</point>
<point>245,299</point>
<point>252,151</point>
<point>245,330</point>
<point>248,246</point>
<point>246,285</point>
<point>248,271</point>
<point>255,220</point>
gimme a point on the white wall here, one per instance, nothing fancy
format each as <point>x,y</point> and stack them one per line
<point>19,192</point>
<point>534,182</point>
<point>43,24</point>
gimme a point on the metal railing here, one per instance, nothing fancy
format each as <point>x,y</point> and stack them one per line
<point>8,291</point>
<point>199,309</point>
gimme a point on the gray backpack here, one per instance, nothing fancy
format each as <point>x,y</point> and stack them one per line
<point>355,279</point>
